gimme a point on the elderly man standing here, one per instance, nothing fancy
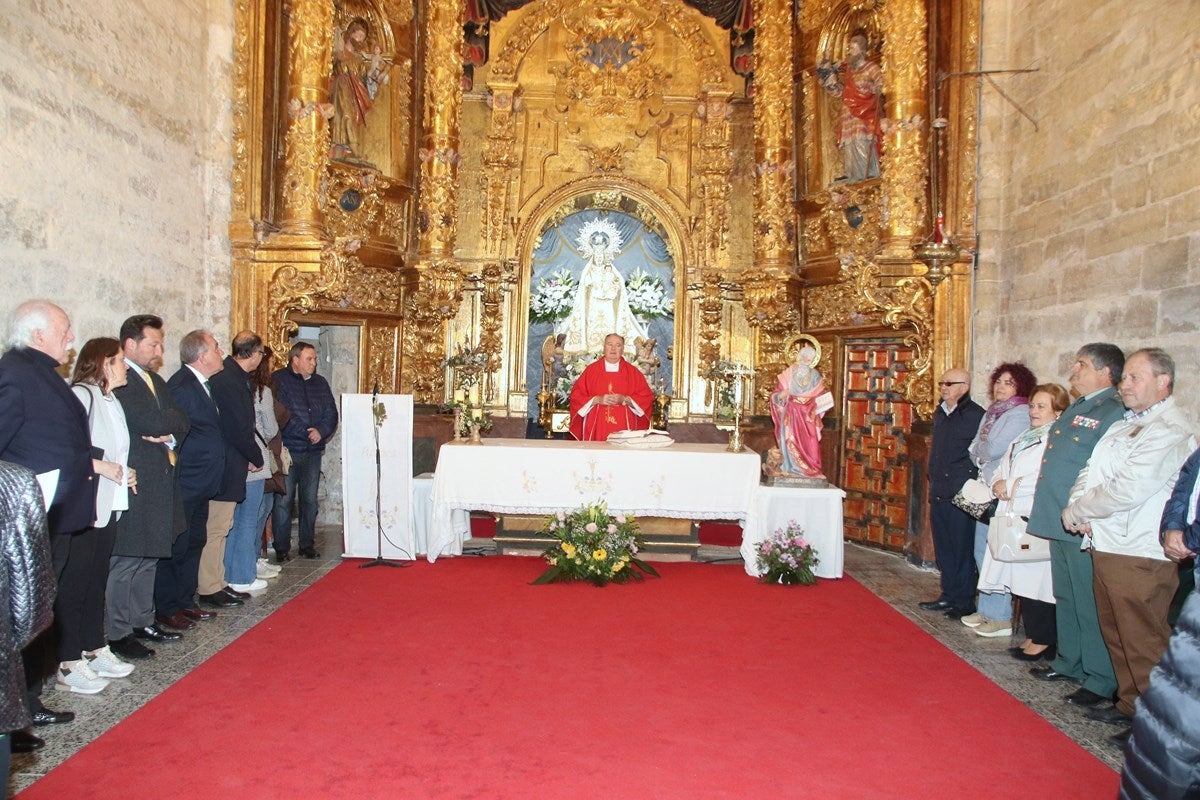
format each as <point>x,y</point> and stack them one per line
<point>950,466</point>
<point>314,419</point>
<point>1082,657</point>
<point>610,396</point>
<point>201,464</point>
<point>1117,503</point>
<point>44,427</point>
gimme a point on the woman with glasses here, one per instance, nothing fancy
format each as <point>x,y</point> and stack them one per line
<point>1009,388</point>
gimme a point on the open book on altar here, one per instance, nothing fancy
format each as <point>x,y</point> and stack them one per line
<point>641,439</point>
<point>823,402</point>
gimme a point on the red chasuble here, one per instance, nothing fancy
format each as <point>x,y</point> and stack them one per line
<point>603,420</point>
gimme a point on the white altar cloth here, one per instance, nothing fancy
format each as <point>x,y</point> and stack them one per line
<point>539,476</point>
<point>818,512</point>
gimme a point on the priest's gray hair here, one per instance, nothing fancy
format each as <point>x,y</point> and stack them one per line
<point>30,316</point>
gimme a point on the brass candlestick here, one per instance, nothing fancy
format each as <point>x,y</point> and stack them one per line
<point>458,426</point>
<point>736,443</point>
<point>475,438</point>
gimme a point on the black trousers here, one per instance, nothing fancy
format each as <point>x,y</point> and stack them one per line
<point>954,543</point>
<point>79,606</point>
<point>1039,619</point>
<point>39,657</point>
<point>176,577</point>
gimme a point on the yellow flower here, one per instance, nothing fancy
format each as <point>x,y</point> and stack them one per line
<point>618,567</point>
<point>599,555</point>
<point>569,549</point>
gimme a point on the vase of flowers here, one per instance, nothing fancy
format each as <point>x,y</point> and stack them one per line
<point>594,546</point>
<point>786,557</point>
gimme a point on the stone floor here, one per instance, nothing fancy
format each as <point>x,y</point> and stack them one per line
<point>886,574</point>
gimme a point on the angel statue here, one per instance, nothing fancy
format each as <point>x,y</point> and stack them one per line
<point>601,306</point>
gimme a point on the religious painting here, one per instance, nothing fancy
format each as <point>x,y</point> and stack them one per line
<point>593,274</point>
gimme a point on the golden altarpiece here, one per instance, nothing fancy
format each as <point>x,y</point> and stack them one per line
<point>398,163</point>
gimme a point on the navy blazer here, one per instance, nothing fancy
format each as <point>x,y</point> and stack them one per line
<point>950,464</point>
<point>202,453</point>
<point>1175,512</point>
<point>231,389</point>
<point>43,426</point>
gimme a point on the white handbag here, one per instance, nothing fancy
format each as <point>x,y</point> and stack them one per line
<point>1008,540</point>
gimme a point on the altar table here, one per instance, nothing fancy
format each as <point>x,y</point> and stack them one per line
<point>539,476</point>
<point>818,511</point>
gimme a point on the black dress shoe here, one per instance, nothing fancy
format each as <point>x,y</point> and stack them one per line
<point>1086,698</point>
<point>229,591</point>
<point>220,600</point>
<point>1021,655</point>
<point>1120,739</point>
<point>310,552</point>
<point>48,717</point>
<point>935,605</point>
<point>959,612</point>
<point>25,742</point>
<point>1110,714</point>
<point>154,633</point>
<point>1048,674</point>
<point>282,557</point>
<point>130,647</point>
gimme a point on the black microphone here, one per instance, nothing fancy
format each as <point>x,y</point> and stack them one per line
<point>375,391</point>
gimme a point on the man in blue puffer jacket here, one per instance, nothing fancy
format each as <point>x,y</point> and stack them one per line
<point>1180,529</point>
<point>1162,759</point>
<point>314,419</point>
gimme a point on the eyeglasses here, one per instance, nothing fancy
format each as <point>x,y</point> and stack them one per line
<point>952,383</point>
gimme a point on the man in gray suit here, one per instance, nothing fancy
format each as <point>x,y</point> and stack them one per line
<point>1082,656</point>
<point>155,517</point>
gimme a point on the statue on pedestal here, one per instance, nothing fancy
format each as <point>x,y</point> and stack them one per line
<point>798,405</point>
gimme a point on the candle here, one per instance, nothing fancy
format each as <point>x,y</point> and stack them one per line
<point>737,390</point>
<point>459,395</point>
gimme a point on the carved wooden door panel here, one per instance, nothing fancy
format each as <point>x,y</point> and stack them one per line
<point>875,462</point>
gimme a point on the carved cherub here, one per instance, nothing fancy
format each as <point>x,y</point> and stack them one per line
<point>647,362</point>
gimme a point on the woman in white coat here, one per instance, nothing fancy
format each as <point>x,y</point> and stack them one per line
<point>85,660</point>
<point>1015,481</point>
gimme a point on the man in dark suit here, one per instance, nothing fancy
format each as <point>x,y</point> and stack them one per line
<point>231,389</point>
<point>1082,656</point>
<point>147,530</point>
<point>201,464</point>
<point>44,427</point>
<point>950,466</point>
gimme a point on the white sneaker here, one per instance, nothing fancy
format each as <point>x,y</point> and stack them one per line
<point>104,662</point>
<point>77,676</point>
<point>991,628</point>
<point>972,620</point>
<point>265,569</point>
<point>256,586</point>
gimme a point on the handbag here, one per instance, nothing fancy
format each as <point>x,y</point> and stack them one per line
<point>1009,542</point>
<point>272,459</point>
<point>285,459</point>
<point>975,497</point>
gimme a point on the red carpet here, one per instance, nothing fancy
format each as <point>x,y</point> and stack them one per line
<point>459,680</point>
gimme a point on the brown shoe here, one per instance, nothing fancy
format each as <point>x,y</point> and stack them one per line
<point>198,614</point>
<point>179,621</point>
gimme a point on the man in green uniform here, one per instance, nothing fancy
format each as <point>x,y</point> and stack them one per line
<point>1082,656</point>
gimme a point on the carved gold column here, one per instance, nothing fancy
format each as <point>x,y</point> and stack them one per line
<point>306,141</point>
<point>771,288</point>
<point>905,63</point>
<point>439,290</point>
<point>715,166</point>
<point>499,158</point>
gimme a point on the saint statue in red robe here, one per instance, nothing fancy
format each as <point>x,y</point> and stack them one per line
<point>611,395</point>
<point>797,410</point>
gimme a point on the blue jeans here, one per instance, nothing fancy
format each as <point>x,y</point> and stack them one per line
<point>302,480</point>
<point>996,606</point>
<point>241,548</point>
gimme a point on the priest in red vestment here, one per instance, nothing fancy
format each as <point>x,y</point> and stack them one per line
<point>611,395</point>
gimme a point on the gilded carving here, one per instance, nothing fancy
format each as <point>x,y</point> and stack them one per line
<point>904,63</point>
<point>399,12</point>
<point>438,209</point>
<point>295,288</point>
<point>838,305</point>
<point>425,313</point>
<point>306,141</point>
<point>381,358</point>
<point>243,49</point>
<point>774,168</point>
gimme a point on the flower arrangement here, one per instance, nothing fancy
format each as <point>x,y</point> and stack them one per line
<point>648,296</point>
<point>786,557</point>
<point>572,368</point>
<point>722,377</point>
<point>593,546</point>
<point>553,298</point>
<point>469,363</point>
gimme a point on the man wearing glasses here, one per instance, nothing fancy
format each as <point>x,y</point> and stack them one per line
<point>950,466</point>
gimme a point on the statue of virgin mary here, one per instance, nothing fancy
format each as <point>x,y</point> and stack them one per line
<point>600,306</point>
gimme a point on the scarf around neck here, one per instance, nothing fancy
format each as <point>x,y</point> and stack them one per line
<point>996,410</point>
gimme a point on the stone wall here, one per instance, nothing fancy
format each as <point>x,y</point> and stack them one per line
<point>1090,223</point>
<point>115,151</point>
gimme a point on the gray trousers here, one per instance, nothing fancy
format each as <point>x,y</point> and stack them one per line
<point>130,594</point>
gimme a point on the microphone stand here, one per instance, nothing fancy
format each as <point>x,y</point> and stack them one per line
<point>379,413</point>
